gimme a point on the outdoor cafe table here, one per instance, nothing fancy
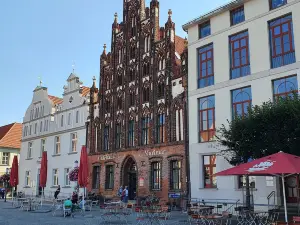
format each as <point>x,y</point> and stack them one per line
<point>153,216</point>
<point>253,217</point>
<point>115,212</point>
<point>212,219</point>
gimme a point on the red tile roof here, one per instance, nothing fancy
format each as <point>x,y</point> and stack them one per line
<point>55,100</point>
<point>179,44</point>
<point>85,91</point>
<point>10,135</point>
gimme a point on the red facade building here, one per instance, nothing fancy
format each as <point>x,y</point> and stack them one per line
<point>137,127</point>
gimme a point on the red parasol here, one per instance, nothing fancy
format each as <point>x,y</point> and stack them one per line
<point>83,172</point>
<point>14,173</point>
<point>280,164</point>
<point>276,164</point>
<point>43,171</point>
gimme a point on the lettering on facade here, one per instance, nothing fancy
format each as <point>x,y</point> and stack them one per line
<point>150,153</point>
<point>108,157</point>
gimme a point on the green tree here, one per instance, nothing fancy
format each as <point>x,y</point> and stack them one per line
<point>265,130</point>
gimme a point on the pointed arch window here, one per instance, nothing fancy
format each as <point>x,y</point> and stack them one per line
<point>132,52</point>
<point>146,94</point>
<point>131,75</point>
<point>118,135</point>
<point>284,87</point>
<point>106,138</point>
<point>119,102</point>
<point>120,79</point>
<point>145,130</point>
<point>131,99</point>
<point>107,105</point>
<point>146,68</point>
<point>160,128</point>
<point>207,118</point>
<point>161,90</point>
<point>131,133</point>
<point>241,101</point>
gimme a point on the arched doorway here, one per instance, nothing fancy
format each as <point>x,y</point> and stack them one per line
<point>129,177</point>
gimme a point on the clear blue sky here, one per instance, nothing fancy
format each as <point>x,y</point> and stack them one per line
<point>43,38</point>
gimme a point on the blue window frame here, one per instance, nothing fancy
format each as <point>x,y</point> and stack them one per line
<point>237,15</point>
<point>239,55</point>
<point>207,127</point>
<point>241,101</point>
<point>282,41</point>
<point>131,133</point>
<point>286,86</point>
<point>204,30</point>
<point>106,138</point>
<point>160,129</point>
<point>145,130</point>
<point>205,66</point>
<point>277,3</point>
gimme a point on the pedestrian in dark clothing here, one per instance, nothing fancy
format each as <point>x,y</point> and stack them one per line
<point>57,192</point>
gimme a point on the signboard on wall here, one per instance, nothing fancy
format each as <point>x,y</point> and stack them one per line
<point>141,182</point>
<point>174,195</point>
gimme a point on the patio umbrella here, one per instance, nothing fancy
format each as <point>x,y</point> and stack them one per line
<point>43,173</point>
<point>14,174</point>
<point>83,172</point>
<point>280,164</point>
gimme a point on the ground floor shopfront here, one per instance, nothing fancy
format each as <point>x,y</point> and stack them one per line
<point>144,171</point>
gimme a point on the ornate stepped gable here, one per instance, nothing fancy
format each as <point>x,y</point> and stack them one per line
<point>139,78</point>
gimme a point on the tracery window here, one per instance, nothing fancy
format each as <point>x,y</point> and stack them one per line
<point>131,99</point>
<point>131,133</point>
<point>286,86</point>
<point>119,102</point>
<point>145,130</point>
<point>207,127</point>
<point>241,101</point>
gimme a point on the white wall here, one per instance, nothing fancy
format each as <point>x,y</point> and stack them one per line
<point>66,158</point>
<point>257,16</point>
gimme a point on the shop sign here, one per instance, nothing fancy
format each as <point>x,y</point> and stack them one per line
<point>155,152</point>
<point>141,182</point>
<point>174,195</point>
<point>108,156</point>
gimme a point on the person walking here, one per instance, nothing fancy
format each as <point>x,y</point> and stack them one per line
<point>57,192</point>
<point>126,195</point>
<point>120,191</point>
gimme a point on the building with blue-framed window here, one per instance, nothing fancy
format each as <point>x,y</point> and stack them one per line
<point>241,54</point>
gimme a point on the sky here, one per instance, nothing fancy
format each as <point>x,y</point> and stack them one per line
<point>42,38</point>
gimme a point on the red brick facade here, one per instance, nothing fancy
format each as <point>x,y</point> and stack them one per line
<point>143,158</point>
<point>138,115</point>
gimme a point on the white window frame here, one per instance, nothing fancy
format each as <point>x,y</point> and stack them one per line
<point>29,151</point>
<point>57,145</point>
<point>55,175</point>
<point>69,118</point>
<point>67,179</point>
<point>74,141</point>
<point>27,178</point>
<point>43,146</point>
<point>35,128</point>
<point>62,120</point>
<point>41,126</point>
<point>5,155</point>
<point>77,116</point>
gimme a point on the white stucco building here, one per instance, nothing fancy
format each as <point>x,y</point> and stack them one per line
<point>245,52</point>
<point>58,126</point>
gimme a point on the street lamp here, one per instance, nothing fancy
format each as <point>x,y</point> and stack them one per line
<point>6,184</point>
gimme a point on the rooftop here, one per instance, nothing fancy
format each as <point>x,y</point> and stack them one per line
<point>10,135</point>
<point>213,13</point>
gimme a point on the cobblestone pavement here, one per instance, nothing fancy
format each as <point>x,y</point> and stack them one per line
<point>12,216</point>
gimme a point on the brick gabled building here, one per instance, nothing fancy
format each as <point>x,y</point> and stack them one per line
<point>137,124</point>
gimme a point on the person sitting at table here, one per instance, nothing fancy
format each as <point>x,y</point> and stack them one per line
<point>68,204</point>
<point>81,203</point>
<point>75,198</point>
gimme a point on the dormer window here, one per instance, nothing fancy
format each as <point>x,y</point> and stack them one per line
<point>237,16</point>
<point>204,30</point>
<point>277,3</point>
